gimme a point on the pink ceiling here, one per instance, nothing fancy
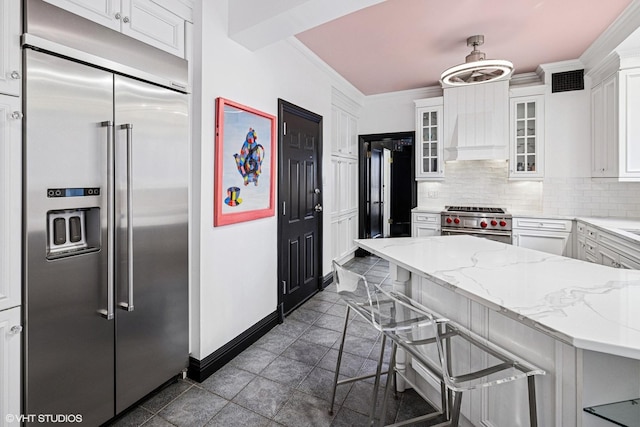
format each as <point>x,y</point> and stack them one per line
<point>406,44</point>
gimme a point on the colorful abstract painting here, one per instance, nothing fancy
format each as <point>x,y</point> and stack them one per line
<point>244,163</point>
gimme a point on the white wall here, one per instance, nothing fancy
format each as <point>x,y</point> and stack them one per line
<point>237,286</point>
<point>392,112</point>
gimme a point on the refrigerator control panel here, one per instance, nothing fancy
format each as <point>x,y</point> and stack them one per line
<point>72,232</point>
<point>73,192</point>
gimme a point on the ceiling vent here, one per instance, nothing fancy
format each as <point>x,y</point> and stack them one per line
<point>476,69</point>
<point>567,81</point>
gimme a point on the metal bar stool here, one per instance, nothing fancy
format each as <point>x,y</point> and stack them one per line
<point>454,342</point>
<point>372,305</point>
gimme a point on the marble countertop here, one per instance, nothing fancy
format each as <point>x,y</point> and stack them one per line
<point>588,305</point>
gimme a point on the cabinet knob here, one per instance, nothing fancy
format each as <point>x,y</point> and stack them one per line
<point>125,19</point>
<point>15,75</point>
<point>17,115</point>
<point>118,16</point>
<point>15,329</point>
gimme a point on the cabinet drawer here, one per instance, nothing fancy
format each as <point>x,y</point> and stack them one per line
<point>581,228</point>
<point>590,248</point>
<point>543,224</point>
<point>423,218</point>
<point>591,233</point>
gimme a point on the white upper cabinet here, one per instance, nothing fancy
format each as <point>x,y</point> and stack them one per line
<point>344,133</point>
<point>476,122</point>
<point>604,132</point>
<point>429,147</point>
<point>144,20</point>
<point>615,128</point>
<point>10,58</point>
<point>526,138</point>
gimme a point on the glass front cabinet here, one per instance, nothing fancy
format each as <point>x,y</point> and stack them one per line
<point>429,150</point>
<point>526,141</point>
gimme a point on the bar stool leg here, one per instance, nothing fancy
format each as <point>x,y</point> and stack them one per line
<point>455,411</point>
<point>376,384</point>
<point>387,388</point>
<point>335,378</point>
<point>533,410</point>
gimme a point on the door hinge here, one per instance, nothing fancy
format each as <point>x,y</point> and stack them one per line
<point>390,159</point>
<point>284,208</point>
<point>284,128</point>
<point>284,287</point>
<point>390,220</point>
<point>368,154</point>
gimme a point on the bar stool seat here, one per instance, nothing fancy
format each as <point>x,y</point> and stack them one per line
<point>457,348</point>
<point>374,306</point>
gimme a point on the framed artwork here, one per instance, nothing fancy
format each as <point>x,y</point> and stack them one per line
<point>245,163</point>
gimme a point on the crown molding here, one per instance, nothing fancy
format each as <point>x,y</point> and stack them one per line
<point>616,33</point>
<point>339,82</point>
<point>419,93</point>
<point>344,102</point>
<point>526,79</point>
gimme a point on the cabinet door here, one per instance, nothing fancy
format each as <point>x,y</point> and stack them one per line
<point>10,331</point>
<point>552,243</point>
<point>424,231</point>
<point>429,150</point>
<point>628,158</point>
<point>629,263</point>
<point>101,11</point>
<point>608,257</point>
<point>527,137</point>
<point>604,131</point>
<point>10,201</point>
<point>148,22</point>
<point>10,58</point>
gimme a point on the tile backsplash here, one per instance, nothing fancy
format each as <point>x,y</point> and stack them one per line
<point>486,183</point>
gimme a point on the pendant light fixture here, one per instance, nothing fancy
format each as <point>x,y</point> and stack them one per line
<point>476,68</point>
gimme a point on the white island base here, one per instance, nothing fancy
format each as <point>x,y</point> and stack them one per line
<point>578,321</point>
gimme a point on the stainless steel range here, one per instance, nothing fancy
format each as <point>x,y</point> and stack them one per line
<point>490,223</point>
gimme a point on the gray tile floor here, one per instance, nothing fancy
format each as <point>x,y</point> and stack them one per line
<point>285,378</point>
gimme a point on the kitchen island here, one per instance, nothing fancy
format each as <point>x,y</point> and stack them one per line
<point>579,321</point>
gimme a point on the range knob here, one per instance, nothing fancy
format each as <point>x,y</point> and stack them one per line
<point>457,220</point>
<point>449,220</point>
<point>483,224</point>
<point>494,222</point>
<point>503,223</point>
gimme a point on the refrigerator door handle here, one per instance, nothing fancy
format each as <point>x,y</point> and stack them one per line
<point>109,312</point>
<point>128,306</point>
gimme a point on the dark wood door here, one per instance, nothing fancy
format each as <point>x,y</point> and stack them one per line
<point>300,206</point>
<point>375,201</point>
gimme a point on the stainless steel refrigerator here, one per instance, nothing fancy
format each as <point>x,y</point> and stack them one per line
<point>106,223</point>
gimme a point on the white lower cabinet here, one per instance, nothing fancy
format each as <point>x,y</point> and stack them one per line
<point>606,248</point>
<point>617,252</point>
<point>10,337</point>
<point>344,230</point>
<point>546,235</point>
<point>425,224</point>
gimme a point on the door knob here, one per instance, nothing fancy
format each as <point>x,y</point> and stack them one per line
<point>15,329</point>
<point>317,191</point>
<point>318,207</point>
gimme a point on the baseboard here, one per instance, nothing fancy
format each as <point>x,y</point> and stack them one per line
<point>200,370</point>
<point>327,280</point>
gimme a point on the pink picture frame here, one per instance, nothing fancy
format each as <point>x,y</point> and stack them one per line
<point>245,163</point>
